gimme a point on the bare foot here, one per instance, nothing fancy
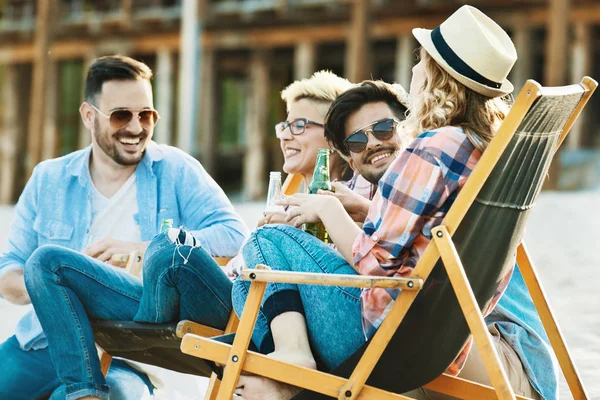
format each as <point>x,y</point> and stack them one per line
<point>259,388</point>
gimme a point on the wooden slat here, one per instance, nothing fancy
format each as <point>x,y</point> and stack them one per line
<point>550,324</point>
<point>288,373</point>
<point>470,308</point>
<point>292,184</point>
<point>309,278</point>
<point>184,327</point>
<point>235,359</point>
<point>464,389</point>
<point>222,261</point>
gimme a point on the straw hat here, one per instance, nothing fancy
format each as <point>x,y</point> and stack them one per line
<point>472,48</point>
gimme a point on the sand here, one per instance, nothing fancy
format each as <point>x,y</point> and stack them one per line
<point>563,236</point>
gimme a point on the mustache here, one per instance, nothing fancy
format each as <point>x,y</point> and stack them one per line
<point>369,154</point>
<point>124,134</point>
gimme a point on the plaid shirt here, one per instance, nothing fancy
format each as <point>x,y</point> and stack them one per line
<point>358,184</point>
<point>414,196</point>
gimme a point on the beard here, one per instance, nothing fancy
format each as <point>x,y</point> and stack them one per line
<point>103,138</point>
<point>374,174</point>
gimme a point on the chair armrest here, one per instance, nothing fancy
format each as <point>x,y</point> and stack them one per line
<point>185,327</point>
<point>308,278</point>
<point>222,261</point>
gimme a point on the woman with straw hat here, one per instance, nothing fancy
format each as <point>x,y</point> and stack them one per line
<point>457,92</point>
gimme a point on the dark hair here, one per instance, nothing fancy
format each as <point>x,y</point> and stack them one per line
<point>113,68</point>
<point>351,101</point>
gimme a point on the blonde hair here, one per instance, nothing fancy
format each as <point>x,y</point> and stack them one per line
<point>444,101</point>
<point>322,88</point>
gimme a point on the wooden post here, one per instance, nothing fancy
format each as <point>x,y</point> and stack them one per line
<point>164,96</point>
<point>523,67</point>
<point>357,50</point>
<point>556,65</point>
<point>50,129</point>
<point>581,57</point>
<point>188,75</point>
<point>257,114</point>
<point>209,138</point>
<point>84,135</point>
<point>39,83</point>
<point>556,43</point>
<point>10,132</point>
<point>126,13</point>
<point>305,60</point>
<point>405,59</point>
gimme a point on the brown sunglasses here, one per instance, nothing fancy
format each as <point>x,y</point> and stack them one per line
<point>121,117</point>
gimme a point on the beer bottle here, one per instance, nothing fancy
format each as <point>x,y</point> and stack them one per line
<point>320,181</point>
<point>274,194</point>
<point>165,225</point>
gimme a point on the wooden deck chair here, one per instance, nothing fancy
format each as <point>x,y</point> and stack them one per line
<point>158,344</point>
<point>440,303</point>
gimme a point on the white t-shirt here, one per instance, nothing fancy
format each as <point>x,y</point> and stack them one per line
<point>114,218</point>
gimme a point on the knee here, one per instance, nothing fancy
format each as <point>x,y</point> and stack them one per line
<point>43,259</point>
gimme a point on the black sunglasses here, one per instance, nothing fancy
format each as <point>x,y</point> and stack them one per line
<point>297,126</point>
<point>382,130</point>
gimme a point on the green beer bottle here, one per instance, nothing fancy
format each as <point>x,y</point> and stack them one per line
<point>165,225</point>
<point>320,181</point>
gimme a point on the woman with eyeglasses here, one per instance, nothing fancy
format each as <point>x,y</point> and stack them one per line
<point>456,107</point>
<point>302,133</point>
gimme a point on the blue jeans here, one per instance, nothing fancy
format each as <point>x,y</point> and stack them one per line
<point>175,289</point>
<point>67,289</point>
<point>30,375</point>
<point>333,314</point>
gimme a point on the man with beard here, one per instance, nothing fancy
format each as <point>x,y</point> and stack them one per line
<point>363,125</point>
<point>76,212</point>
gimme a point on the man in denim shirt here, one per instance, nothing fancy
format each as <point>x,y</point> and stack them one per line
<point>106,199</point>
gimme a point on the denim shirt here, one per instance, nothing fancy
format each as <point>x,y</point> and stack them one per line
<point>55,208</point>
<point>519,324</point>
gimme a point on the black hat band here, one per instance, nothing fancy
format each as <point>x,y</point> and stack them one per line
<point>456,62</point>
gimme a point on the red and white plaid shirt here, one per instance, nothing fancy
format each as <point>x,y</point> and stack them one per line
<point>414,196</point>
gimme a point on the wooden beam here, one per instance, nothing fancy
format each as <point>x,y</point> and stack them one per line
<point>209,106</point>
<point>358,60</point>
<point>285,36</point>
<point>164,96</point>
<point>10,132</point>
<point>257,115</point>
<point>305,60</point>
<point>581,65</point>
<point>39,84</point>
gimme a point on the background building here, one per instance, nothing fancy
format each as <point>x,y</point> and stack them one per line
<point>220,65</point>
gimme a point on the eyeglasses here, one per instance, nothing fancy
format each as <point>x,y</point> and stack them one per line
<point>382,130</point>
<point>121,117</point>
<point>297,126</point>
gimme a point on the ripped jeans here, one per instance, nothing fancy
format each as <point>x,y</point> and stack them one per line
<point>182,281</point>
<point>67,289</point>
